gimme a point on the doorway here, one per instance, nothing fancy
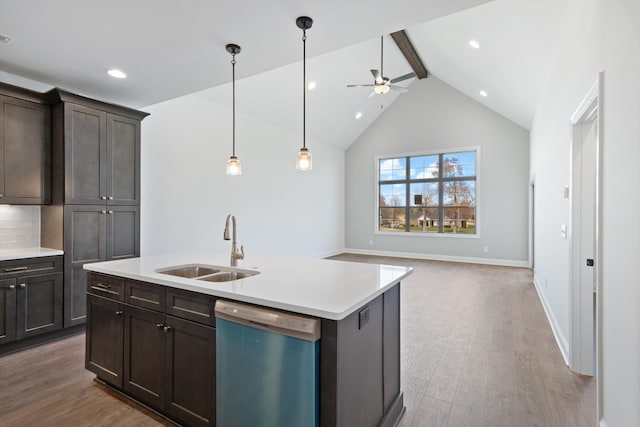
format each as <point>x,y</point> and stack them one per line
<point>585,195</point>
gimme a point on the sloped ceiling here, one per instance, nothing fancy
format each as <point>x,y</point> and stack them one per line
<point>171,48</point>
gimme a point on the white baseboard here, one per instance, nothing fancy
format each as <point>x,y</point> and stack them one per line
<point>436,257</point>
<point>561,340</point>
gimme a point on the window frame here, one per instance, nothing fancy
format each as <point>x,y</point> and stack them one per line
<point>407,182</point>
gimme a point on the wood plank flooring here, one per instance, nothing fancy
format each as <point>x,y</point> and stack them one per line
<point>476,351</point>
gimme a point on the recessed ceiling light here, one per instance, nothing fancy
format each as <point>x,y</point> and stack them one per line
<point>312,85</point>
<point>5,39</point>
<point>118,74</point>
<point>358,115</point>
<point>474,44</point>
<point>483,93</point>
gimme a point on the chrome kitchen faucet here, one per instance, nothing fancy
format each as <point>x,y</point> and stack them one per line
<point>235,253</point>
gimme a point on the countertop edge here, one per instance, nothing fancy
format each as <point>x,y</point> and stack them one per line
<point>329,315</point>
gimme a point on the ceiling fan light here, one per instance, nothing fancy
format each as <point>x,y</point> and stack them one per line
<point>233,166</point>
<point>304,162</point>
<point>381,89</point>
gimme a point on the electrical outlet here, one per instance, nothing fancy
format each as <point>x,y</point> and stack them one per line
<point>363,317</point>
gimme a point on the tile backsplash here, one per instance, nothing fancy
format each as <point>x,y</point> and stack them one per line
<point>19,227</point>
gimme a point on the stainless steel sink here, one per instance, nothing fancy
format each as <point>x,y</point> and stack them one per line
<point>190,271</point>
<point>209,273</point>
<point>227,276</point>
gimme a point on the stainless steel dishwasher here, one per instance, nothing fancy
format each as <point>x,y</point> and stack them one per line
<point>267,366</point>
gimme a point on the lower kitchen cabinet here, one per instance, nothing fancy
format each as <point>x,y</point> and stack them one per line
<point>144,340</point>
<point>7,310</point>
<point>105,339</point>
<point>30,303</point>
<point>169,364</point>
<point>190,356</point>
<point>164,361</point>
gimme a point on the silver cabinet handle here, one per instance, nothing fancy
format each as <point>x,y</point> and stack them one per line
<point>22,285</point>
<point>110,212</point>
<point>103,212</point>
<point>159,325</point>
<point>103,197</point>
<point>118,313</point>
<point>110,198</point>
<point>1,195</point>
<point>12,287</point>
<point>167,328</point>
<point>14,269</point>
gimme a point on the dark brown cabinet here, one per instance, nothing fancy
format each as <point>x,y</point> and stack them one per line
<point>93,234</point>
<point>167,361</point>
<point>101,156</point>
<point>30,297</point>
<point>25,150</point>
<point>95,214</point>
<point>104,343</point>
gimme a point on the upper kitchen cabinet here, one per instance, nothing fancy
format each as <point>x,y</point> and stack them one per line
<point>96,151</point>
<point>25,147</point>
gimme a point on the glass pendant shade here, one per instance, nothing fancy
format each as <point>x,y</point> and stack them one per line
<point>233,166</point>
<point>303,163</point>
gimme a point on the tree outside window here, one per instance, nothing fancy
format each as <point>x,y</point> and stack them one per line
<point>433,193</point>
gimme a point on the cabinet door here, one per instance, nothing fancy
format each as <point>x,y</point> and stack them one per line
<point>84,242</point>
<point>7,310</point>
<point>190,375</point>
<point>123,160</point>
<point>85,134</point>
<point>39,304</point>
<point>104,340</point>
<point>25,152</point>
<point>123,232</point>
<point>144,355</point>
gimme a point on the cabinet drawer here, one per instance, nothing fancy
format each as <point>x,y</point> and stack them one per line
<point>191,306</point>
<point>105,286</point>
<point>145,295</point>
<point>30,266</point>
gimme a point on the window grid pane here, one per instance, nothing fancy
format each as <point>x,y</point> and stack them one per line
<point>423,201</point>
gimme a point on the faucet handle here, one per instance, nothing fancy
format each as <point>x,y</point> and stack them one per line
<point>241,255</point>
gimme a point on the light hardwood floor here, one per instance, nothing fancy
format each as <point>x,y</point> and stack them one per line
<point>476,351</point>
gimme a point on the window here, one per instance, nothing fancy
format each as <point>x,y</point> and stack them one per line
<point>430,193</point>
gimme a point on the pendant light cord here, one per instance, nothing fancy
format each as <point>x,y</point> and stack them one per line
<point>233,79</point>
<point>304,88</point>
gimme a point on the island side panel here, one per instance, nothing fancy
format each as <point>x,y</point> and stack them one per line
<point>360,365</point>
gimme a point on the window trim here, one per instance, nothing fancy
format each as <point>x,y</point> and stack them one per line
<point>450,150</point>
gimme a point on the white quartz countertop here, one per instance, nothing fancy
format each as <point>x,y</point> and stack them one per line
<point>8,254</point>
<point>317,287</point>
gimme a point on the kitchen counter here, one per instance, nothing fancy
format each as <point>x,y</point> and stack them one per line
<point>323,288</point>
<point>9,254</point>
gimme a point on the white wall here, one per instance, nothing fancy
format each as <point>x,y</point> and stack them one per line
<point>432,116</point>
<point>186,194</point>
<point>599,35</point>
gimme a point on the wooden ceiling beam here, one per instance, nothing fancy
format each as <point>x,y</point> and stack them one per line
<point>409,52</point>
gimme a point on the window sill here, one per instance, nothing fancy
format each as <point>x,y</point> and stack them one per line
<point>436,235</point>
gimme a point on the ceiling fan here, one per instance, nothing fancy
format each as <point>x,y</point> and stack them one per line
<point>382,84</point>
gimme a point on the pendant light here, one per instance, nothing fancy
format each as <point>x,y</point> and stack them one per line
<point>233,164</point>
<point>303,162</point>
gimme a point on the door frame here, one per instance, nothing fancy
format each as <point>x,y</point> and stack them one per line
<point>590,105</point>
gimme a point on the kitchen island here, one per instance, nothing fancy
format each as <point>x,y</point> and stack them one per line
<point>152,334</point>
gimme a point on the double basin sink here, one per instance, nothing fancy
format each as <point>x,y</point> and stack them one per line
<point>209,273</point>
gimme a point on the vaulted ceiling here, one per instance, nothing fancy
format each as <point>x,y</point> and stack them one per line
<point>171,48</point>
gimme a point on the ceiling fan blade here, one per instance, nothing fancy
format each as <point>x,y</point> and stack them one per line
<point>377,75</point>
<point>360,85</point>
<point>405,77</point>
<point>398,89</point>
